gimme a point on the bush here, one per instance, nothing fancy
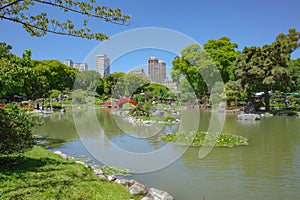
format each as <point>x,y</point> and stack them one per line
<point>15,130</point>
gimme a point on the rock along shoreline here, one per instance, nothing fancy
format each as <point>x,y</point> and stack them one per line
<point>133,186</point>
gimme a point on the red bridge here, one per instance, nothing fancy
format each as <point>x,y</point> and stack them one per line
<point>126,100</point>
<point>120,102</point>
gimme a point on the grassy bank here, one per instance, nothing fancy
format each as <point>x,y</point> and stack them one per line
<point>41,174</point>
<point>197,139</point>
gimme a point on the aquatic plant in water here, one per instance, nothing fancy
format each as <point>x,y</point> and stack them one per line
<point>197,139</point>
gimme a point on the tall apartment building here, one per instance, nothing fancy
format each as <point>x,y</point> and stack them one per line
<point>102,64</point>
<point>156,70</point>
<point>69,63</point>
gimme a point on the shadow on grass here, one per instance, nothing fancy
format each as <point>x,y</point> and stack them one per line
<point>22,163</point>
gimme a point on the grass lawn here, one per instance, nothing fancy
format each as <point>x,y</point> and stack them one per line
<point>41,174</point>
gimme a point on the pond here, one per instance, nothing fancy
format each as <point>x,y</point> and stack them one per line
<point>269,168</point>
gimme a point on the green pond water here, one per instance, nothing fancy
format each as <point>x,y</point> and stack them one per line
<point>269,168</point>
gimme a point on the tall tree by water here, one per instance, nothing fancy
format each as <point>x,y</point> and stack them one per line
<point>37,23</point>
<point>197,67</point>
<point>224,53</point>
<point>266,68</point>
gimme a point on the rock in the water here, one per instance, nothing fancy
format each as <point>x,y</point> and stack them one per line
<point>160,195</point>
<point>248,117</point>
<point>138,188</point>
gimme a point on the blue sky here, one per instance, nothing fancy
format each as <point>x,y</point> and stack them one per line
<point>248,23</point>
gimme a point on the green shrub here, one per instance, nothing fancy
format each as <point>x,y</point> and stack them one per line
<point>169,118</point>
<point>15,129</point>
<point>26,103</point>
<point>57,105</point>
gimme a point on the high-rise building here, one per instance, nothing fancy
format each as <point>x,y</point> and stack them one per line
<point>102,64</point>
<point>69,62</point>
<point>81,66</point>
<point>156,70</point>
<point>138,71</point>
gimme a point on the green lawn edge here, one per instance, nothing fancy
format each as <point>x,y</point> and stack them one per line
<point>41,174</point>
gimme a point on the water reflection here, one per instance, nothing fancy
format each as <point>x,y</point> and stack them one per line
<point>268,168</point>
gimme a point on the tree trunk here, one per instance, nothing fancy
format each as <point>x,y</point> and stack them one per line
<point>267,99</point>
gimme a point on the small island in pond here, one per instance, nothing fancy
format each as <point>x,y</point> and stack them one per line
<point>197,139</point>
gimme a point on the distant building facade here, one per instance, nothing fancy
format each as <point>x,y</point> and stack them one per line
<point>102,64</point>
<point>69,62</point>
<point>81,66</point>
<point>138,71</point>
<point>156,70</point>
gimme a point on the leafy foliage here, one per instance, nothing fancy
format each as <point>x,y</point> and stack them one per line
<point>35,79</point>
<point>39,23</point>
<point>15,129</point>
<point>223,52</point>
<point>265,68</point>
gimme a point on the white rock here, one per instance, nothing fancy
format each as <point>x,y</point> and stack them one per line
<point>160,195</point>
<point>57,152</point>
<point>111,178</point>
<point>65,156</point>
<point>138,188</point>
<point>146,198</point>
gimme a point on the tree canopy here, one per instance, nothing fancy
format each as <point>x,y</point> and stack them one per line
<point>38,24</point>
<point>31,78</point>
<point>265,68</point>
<point>224,53</point>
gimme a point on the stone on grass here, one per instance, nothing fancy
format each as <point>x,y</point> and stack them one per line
<point>111,178</point>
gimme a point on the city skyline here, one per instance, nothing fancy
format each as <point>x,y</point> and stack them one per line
<point>248,24</point>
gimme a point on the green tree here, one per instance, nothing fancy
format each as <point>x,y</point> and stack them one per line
<point>159,91</point>
<point>15,129</point>
<point>39,24</point>
<point>51,75</point>
<point>128,85</point>
<point>234,91</point>
<point>108,83</point>
<point>197,67</point>
<point>294,70</point>
<point>12,67</point>
<point>224,53</point>
<point>266,68</point>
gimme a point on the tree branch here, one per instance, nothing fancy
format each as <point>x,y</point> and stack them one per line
<point>10,4</point>
<point>32,27</point>
<point>78,11</point>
